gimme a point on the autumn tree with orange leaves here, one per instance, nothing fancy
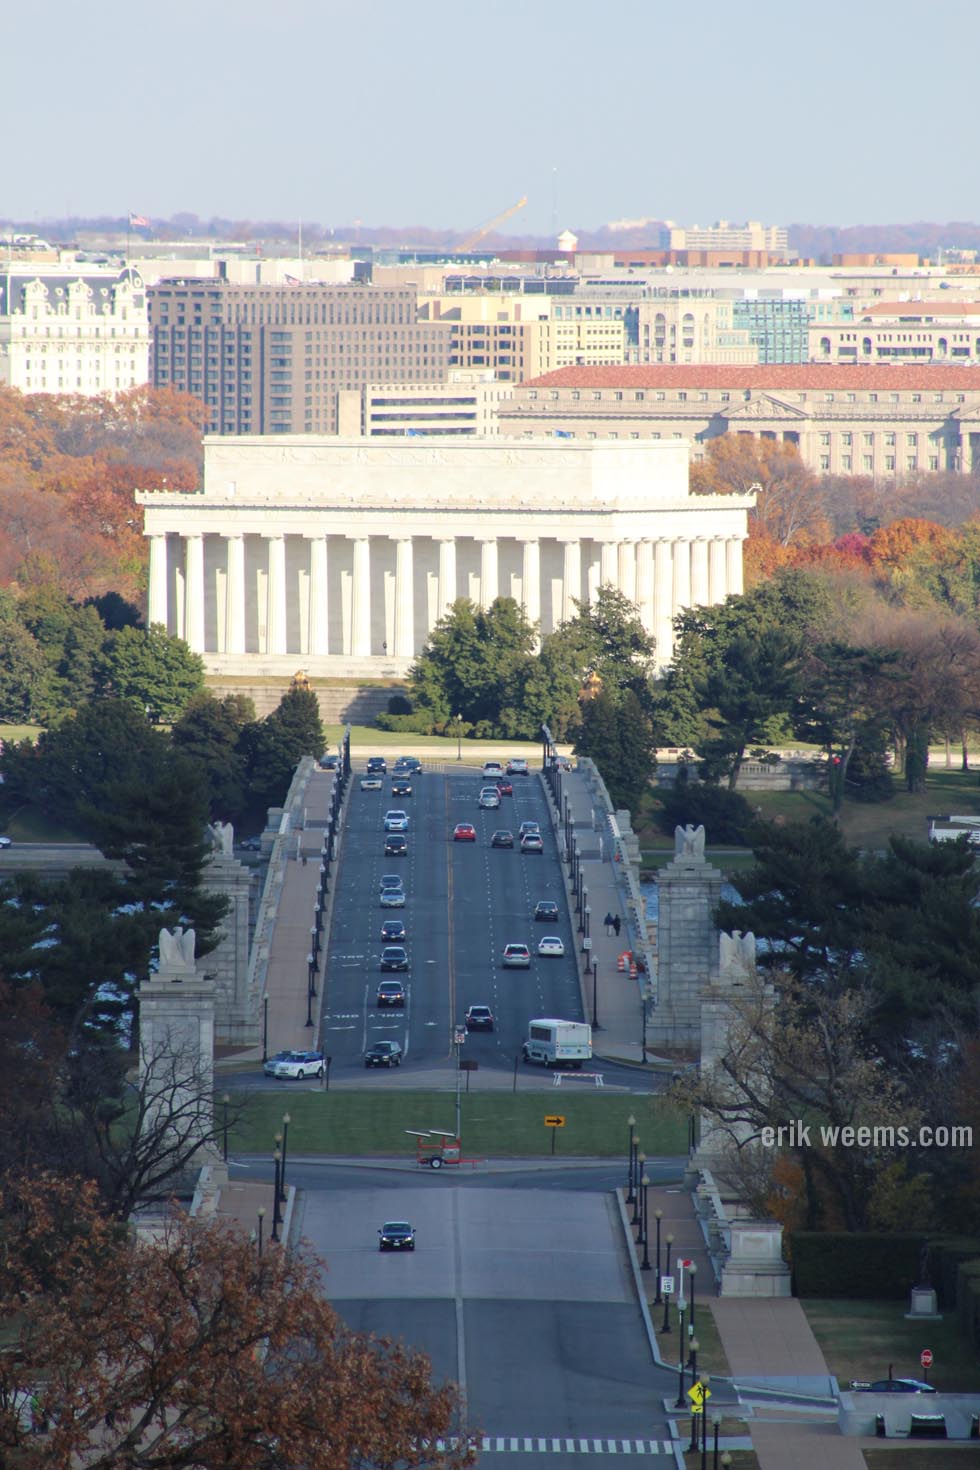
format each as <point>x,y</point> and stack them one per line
<point>789,500</point>
<point>192,1349</point>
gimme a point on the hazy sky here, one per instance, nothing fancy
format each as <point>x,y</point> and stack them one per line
<point>444,112</point>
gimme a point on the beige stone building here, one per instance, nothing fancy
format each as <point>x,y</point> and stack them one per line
<point>75,329</point>
<point>902,332</point>
<point>879,421</point>
<point>523,336</point>
<point>466,403</point>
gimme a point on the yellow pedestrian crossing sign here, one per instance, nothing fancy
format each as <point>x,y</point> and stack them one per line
<point>699,1393</point>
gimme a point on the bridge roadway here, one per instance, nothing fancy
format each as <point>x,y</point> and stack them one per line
<point>465,901</point>
<point>518,1287</point>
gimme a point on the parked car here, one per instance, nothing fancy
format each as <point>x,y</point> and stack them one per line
<point>247,844</point>
<point>551,945</point>
<point>893,1385</point>
<point>383,1054</point>
<point>401,786</point>
<point>394,957</point>
<point>396,1235</point>
<point>503,838</point>
<point>377,765</point>
<point>516,957</point>
<point>371,783</point>
<point>479,1018</point>
<point>546,911</point>
<point>300,1064</point>
<point>517,766</point>
<point>391,993</point>
<point>489,798</point>
<point>393,931</point>
<point>396,844</point>
<point>531,842</point>
<point>271,1063</point>
<point>396,820</point>
<point>464,832</point>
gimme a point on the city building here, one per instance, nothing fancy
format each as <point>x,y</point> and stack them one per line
<point>342,554</point>
<point>778,326</point>
<point>723,236</point>
<point>519,338</point>
<point>272,359</point>
<point>879,421</point>
<point>902,331</point>
<point>465,404</point>
<point>72,329</point>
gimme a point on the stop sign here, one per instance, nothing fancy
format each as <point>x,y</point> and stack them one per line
<point>925,1357</point>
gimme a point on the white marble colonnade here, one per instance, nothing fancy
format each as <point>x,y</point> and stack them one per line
<point>257,585</point>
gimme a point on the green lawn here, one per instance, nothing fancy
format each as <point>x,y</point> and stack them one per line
<point>494,1124</point>
<point>922,1457</point>
<point>860,1340</point>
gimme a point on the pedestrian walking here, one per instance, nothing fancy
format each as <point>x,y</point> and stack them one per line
<point>608,921</point>
<point>617,925</point>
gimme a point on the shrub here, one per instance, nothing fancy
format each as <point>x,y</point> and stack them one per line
<point>843,1263</point>
<point>724,815</point>
<point>398,704</point>
<point>945,1259</point>
<point>419,723</point>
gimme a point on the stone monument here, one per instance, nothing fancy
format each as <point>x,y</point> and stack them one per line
<point>689,889</point>
<point>227,964</point>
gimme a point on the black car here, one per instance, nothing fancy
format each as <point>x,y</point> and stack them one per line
<point>894,1385</point>
<point>393,931</point>
<point>408,765</point>
<point>330,763</point>
<point>401,786</point>
<point>377,765</point>
<point>396,1235</point>
<point>383,1054</point>
<point>391,993</point>
<point>396,844</point>
<point>394,957</point>
<point>479,1018</point>
<point>546,912</point>
<point>503,838</point>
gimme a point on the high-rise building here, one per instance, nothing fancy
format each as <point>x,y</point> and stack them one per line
<point>65,330</point>
<point>272,359</point>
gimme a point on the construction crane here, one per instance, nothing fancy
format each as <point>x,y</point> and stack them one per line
<point>471,241</point>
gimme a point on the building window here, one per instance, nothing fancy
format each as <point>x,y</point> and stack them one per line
<point>596,394</point>
<point>869,440</point>
<point>889,461</point>
<point>639,396</point>
<point>660,396</point>
<point>911,440</point>
<point>825,461</point>
<point>682,397</point>
<point>867,463</point>
<point>890,441</point>
<point>825,438</point>
<point>847,438</point>
<point>845,463</point>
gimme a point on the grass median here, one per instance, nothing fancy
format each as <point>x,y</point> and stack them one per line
<point>366,1124</point>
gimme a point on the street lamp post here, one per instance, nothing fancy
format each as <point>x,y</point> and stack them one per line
<point>645,1182</point>
<point>665,1325</point>
<point>692,1361</point>
<point>261,1214</point>
<point>638,1170</point>
<point>629,1169</point>
<point>458,720</point>
<point>658,1216</point>
<point>286,1120</point>
<point>265,1027</point>
<point>224,1127</point>
<point>326,1075</point>
<point>692,1271</point>
<point>595,976</point>
<point>715,1429</point>
<point>276,1216</point>
<point>681,1309</point>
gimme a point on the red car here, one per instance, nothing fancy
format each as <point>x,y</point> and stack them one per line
<point>464,832</point>
<point>504,786</point>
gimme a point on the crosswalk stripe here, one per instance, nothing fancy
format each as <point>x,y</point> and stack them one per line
<point>627,1447</point>
<point>556,1445</point>
<point>542,1445</point>
<point>527,1444</point>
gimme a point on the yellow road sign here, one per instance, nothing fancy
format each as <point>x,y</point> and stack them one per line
<point>697,1394</point>
<point>554,1120</point>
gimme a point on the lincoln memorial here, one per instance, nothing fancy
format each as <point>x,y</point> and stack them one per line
<point>340,555</point>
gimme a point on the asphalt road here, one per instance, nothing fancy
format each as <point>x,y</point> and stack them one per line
<point>465,901</point>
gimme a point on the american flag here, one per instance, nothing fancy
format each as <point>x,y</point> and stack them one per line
<point>138,222</point>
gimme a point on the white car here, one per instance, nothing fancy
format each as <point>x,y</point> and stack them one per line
<point>396,821</point>
<point>516,957</point>
<point>550,944</point>
<point>517,766</point>
<point>371,783</point>
<point>300,1064</point>
<point>491,770</point>
<point>5,842</point>
<point>392,898</point>
<point>489,798</point>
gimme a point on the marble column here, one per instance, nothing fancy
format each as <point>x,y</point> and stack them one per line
<point>699,572</point>
<point>275,636</point>
<point>531,581</point>
<point>733,565</point>
<point>626,580</point>
<point>644,583</point>
<point>681,562</point>
<point>592,580</point>
<point>609,564</point>
<point>663,599</point>
<point>194,593</point>
<point>360,609</point>
<point>447,576</point>
<point>235,595</point>
<point>571,581</point>
<point>404,599</point>
<point>489,572</point>
<point>156,611</point>
<point>717,578</point>
<point>319,641</point>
